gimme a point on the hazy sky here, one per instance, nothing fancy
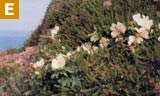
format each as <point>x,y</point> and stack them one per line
<point>31,15</point>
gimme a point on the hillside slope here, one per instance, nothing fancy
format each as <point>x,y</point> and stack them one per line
<point>97,47</point>
<point>88,48</point>
<point>73,13</point>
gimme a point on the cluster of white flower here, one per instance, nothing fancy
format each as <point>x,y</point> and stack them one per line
<point>141,32</point>
<point>54,31</point>
<point>57,63</point>
<point>103,42</point>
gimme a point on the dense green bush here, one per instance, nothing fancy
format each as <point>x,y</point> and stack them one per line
<point>86,16</point>
<point>97,68</point>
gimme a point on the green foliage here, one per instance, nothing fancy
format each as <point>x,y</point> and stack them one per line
<point>63,82</point>
<point>77,18</point>
<point>102,73</point>
<point>12,81</point>
<point>116,69</point>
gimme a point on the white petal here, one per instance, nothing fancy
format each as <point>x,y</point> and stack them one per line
<point>39,63</point>
<point>69,54</point>
<point>131,40</point>
<point>113,27</point>
<point>61,62</point>
<point>143,21</point>
<point>147,23</point>
<point>114,34</point>
<point>139,40</point>
<point>137,17</point>
<point>56,28</point>
<point>94,38</point>
<point>54,64</point>
<point>145,35</point>
<point>104,42</point>
<point>60,56</point>
<point>143,32</point>
<point>54,32</point>
<point>121,27</point>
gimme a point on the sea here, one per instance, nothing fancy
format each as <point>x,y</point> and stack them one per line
<point>12,39</point>
<point>11,42</point>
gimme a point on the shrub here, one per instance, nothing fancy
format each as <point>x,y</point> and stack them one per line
<point>88,50</point>
<point>12,51</point>
<point>77,18</point>
<point>12,81</point>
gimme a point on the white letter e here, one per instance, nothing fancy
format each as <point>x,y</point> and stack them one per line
<point>8,7</point>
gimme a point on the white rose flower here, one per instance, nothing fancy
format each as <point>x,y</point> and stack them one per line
<point>103,42</point>
<point>107,4</point>
<point>39,63</point>
<point>142,32</point>
<point>134,39</point>
<point>59,62</point>
<point>143,21</point>
<point>94,36</point>
<point>117,29</point>
<point>54,31</point>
